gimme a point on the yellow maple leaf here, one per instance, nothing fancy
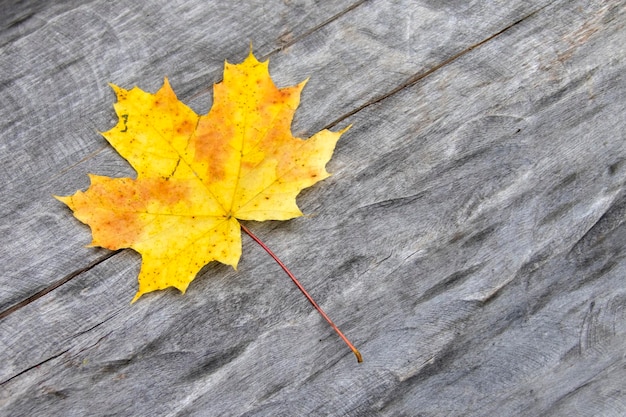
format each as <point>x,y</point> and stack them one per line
<point>196,175</point>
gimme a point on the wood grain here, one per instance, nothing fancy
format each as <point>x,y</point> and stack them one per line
<point>470,242</point>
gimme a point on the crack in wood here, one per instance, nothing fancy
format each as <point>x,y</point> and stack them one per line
<point>54,285</point>
<point>34,366</point>
<point>421,75</point>
<point>314,29</point>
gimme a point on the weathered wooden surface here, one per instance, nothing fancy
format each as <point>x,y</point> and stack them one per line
<point>471,241</point>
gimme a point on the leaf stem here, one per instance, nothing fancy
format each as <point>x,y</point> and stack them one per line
<point>356,352</point>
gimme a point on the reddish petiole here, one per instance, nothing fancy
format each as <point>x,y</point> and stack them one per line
<point>356,352</point>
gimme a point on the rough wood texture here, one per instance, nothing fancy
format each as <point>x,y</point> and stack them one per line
<point>471,241</point>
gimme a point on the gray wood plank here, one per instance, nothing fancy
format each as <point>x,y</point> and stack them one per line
<point>470,242</point>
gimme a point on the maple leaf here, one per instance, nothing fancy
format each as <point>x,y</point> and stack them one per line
<point>196,175</point>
